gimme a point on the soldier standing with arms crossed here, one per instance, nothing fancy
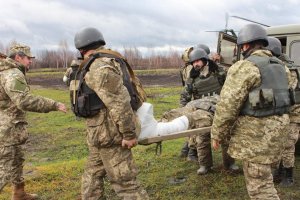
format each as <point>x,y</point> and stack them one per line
<point>248,114</point>
<point>111,132</point>
<point>15,99</point>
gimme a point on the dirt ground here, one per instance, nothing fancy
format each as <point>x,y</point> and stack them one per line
<point>147,80</point>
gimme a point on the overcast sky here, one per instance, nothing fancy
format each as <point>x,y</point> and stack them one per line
<point>145,24</point>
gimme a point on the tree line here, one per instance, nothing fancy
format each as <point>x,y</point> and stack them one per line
<point>62,57</point>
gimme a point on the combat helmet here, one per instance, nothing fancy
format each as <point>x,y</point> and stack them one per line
<point>198,54</point>
<point>274,46</point>
<point>88,36</point>
<point>204,47</point>
<point>252,32</point>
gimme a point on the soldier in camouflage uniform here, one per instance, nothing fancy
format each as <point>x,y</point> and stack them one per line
<point>15,99</point>
<point>206,78</point>
<point>112,132</point>
<point>284,172</point>
<point>247,114</point>
<point>74,65</point>
<point>189,149</point>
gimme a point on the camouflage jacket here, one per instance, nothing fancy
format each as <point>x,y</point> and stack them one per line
<point>185,72</point>
<point>15,99</point>
<point>295,109</point>
<point>253,139</point>
<point>117,120</point>
<point>194,87</point>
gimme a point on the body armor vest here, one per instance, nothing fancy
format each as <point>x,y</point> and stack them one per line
<point>206,86</point>
<point>272,97</point>
<point>84,101</point>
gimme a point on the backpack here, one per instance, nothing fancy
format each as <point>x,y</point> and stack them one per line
<point>86,103</point>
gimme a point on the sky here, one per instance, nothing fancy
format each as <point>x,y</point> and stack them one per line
<point>149,25</point>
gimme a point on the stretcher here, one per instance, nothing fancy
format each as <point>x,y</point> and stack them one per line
<point>158,139</point>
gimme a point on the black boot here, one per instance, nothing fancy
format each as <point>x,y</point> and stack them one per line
<point>192,155</point>
<point>278,174</point>
<point>185,150</point>
<point>288,179</point>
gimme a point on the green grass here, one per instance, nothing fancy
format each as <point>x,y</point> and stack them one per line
<point>57,151</point>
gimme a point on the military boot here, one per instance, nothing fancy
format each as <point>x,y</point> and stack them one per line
<point>288,178</point>
<point>20,194</point>
<point>278,174</point>
<point>203,170</point>
<point>192,155</point>
<point>185,150</point>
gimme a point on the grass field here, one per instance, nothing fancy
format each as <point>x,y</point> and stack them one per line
<point>57,151</point>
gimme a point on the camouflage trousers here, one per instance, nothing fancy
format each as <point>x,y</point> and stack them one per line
<point>203,145</point>
<point>288,155</point>
<point>117,164</point>
<point>259,181</point>
<point>11,164</point>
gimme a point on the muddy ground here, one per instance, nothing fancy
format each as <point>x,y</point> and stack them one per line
<point>147,80</point>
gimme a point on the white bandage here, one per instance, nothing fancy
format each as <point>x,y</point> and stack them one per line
<point>176,125</point>
<point>151,128</point>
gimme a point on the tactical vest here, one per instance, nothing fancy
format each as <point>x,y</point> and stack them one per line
<point>272,97</point>
<point>206,86</point>
<point>85,102</point>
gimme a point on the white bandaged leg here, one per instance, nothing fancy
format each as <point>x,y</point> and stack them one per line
<point>151,128</point>
<point>148,122</point>
<point>176,125</point>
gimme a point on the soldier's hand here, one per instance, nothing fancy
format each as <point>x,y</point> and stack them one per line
<point>129,143</point>
<point>61,107</point>
<point>215,144</point>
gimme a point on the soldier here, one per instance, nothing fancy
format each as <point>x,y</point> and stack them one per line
<point>284,172</point>
<point>111,131</point>
<point>248,115</point>
<point>74,65</point>
<point>15,100</point>
<point>206,78</point>
<point>189,148</point>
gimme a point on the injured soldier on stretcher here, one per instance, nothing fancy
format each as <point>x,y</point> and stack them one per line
<point>196,114</point>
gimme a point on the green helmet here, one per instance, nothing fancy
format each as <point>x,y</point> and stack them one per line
<point>252,32</point>
<point>274,46</point>
<point>204,47</point>
<point>88,36</point>
<point>197,54</point>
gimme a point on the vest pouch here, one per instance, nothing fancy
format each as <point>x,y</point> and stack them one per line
<point>82,105</point>
<point>267,97</point>
<point>295,96</point>
<point>254,99</point>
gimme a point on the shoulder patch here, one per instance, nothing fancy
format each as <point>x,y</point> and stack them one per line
<point>18,83</point>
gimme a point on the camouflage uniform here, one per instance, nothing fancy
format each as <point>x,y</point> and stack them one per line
<point>105,132</point>
<point>189,146</point>
<point>15,99</point>
<point>200,114</point>
<point>68,72</point>
<point>258,142</point>
<point>185,70</point>
<point>202,142</point>
<point>288,155</point>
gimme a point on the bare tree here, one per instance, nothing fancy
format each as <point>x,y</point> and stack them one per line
<point>65,55</point>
